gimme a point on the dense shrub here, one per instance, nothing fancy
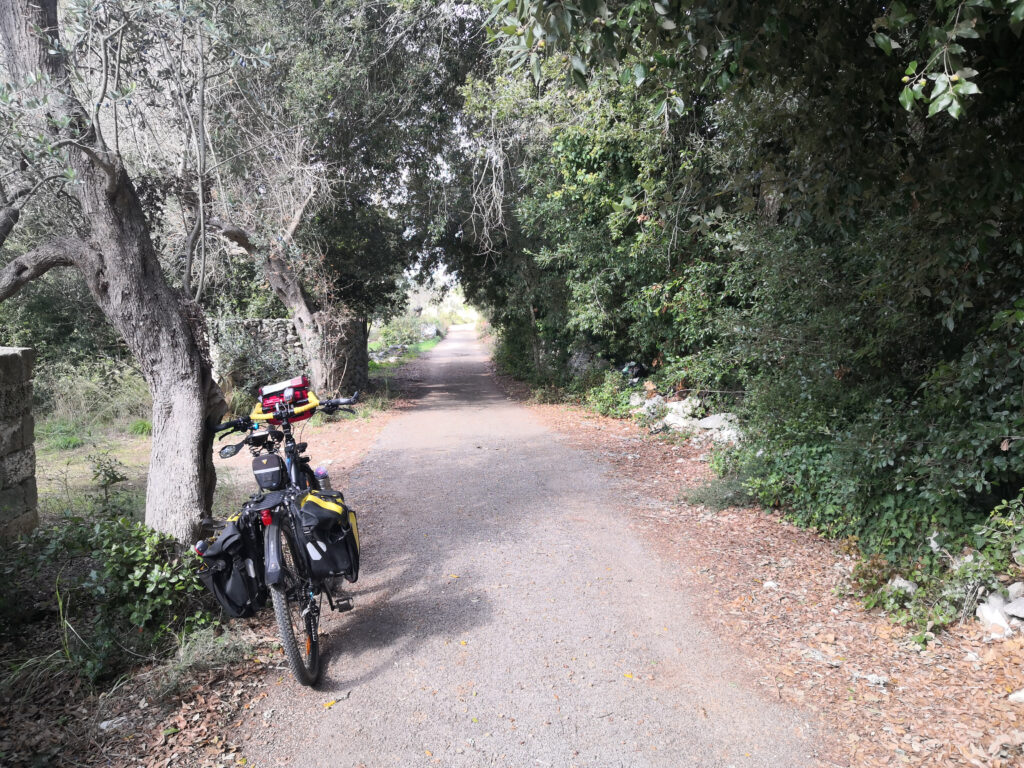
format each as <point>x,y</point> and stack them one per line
<point>122,592</point>
<point>100,393</point>
<point>789,241</point>
<point>611,397</point>
<point>404,329</point>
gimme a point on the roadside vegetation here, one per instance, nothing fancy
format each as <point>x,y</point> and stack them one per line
<point>808,216</point>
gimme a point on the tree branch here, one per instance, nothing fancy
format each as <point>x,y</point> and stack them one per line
<point>235,234</point>
<point>9,216</point>
<point>293,225</point>
<point>104,164</point>
<point>62,252</point>
<point>26,193</point>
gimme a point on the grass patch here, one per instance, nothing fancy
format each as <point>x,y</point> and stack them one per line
<point>61,435</point>
<point>411,353</point>
<point>720,493</point>
<point>141,427</point>
<point>205,649</point>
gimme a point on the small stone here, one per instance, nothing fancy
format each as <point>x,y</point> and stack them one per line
<point>652,406</point>
<point>678,423</point>
<point>769,585</point>
<point>116,722</point>
<point>686,408</point>
<point>872,679</point>
<point>717,421</point>
<point>991,613</point>
<point>899,584</point>
<point>1016,590</point>
<point>1016,608</point>
<point>1017,697</point>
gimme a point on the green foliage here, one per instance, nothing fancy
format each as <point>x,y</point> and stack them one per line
<point>91,394</point>
<point>762,224</point>
<point>948,585</point>
<point>58,318</point>
<point>611,397</point>
<point>61,434</point>
<point>404,329</point>
<point>247,363</point>
<point>106,471</point>
<point>141,427</point>
<point>121,590</point>
<point>728,45</point>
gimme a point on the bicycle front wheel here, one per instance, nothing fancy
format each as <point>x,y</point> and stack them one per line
<point>297,614</point>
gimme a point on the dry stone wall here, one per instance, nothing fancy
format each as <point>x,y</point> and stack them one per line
<point>18,500</point>
<point>277,333</point>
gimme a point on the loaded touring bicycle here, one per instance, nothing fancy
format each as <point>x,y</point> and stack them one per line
<point>294,541</point>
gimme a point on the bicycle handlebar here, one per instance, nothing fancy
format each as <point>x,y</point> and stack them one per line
<point>236,424</point>
<point>245,422</point>
<point>338,402</point>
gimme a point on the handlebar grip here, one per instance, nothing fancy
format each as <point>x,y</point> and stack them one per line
<point>233,424</point>
<point>337,402</point>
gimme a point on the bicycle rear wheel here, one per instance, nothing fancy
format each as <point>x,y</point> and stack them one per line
<point>298,616</point>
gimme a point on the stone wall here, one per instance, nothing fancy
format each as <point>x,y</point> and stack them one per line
<point>276,333</point>
<point>18,501</point>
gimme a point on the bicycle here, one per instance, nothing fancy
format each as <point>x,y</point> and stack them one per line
<point>293,539</point>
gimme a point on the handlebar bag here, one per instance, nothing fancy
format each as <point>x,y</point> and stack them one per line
<point>273,394</point>
<point>269,472</point>
<point>228,570</point>
<point>329,535</point>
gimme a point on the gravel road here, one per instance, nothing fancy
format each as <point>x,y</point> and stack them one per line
<point>506,615</point>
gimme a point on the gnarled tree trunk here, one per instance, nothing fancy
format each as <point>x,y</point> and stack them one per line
<point>335,340</point>
<point>116,257</point>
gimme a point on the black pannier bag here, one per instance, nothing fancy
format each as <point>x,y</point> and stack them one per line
<point>328,535</point>
<point>229,571</point>
<point>269,472</point>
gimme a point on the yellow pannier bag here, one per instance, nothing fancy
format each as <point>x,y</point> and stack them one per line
<point>329,535</point>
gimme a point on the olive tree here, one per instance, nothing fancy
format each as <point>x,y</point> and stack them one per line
<point>59,134</point>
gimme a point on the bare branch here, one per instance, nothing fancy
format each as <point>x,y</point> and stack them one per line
<point>62,252</point>
<point>97,103</point>
<point>28,193</point>
<point>235,234</point>
<point>96,157</point>
<point>293,225</point>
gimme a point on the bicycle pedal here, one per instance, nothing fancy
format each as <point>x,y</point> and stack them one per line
<point>343,604</point>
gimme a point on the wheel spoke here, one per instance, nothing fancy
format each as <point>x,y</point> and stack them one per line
<point>296,612</point>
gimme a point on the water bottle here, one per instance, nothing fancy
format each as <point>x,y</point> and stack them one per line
<point>323,478</point>
<point>201,546</point>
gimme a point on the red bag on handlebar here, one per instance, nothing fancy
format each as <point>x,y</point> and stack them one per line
<point>274,394</point>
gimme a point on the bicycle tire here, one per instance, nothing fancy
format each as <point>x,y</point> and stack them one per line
<point>293,626</point>
<point>312,483</point>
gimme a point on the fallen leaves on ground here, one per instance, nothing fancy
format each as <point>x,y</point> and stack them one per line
<point>782,596</point>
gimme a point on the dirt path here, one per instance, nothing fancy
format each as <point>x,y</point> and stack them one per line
<point>507,615</point>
